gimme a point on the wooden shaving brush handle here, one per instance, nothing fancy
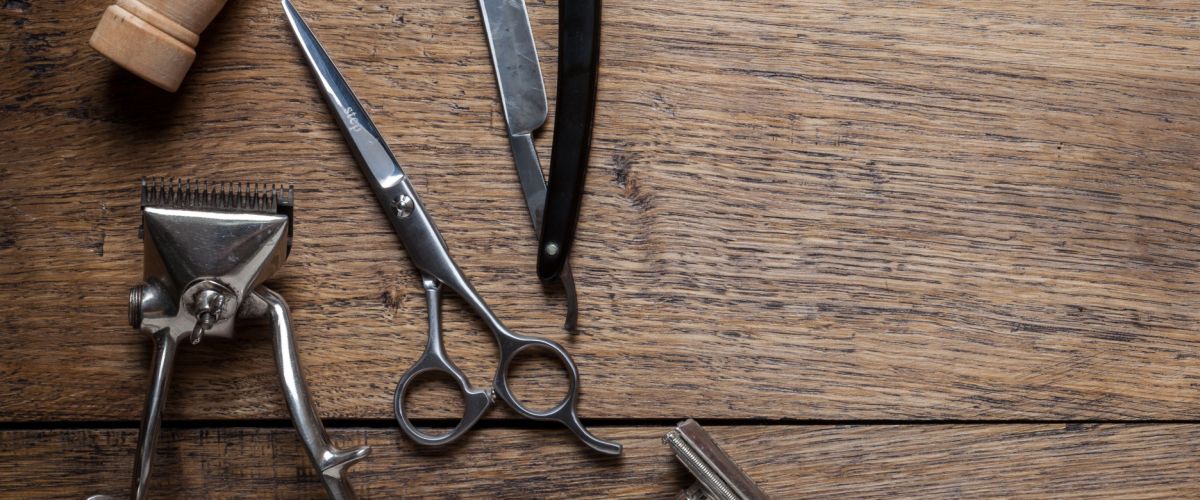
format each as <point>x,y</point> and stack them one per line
<point>155,39</point>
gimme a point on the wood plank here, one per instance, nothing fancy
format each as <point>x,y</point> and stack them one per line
<point>926,461</point>
<point>803,209</point>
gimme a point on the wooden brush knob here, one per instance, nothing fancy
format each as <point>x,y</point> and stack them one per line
<point>155,39</point>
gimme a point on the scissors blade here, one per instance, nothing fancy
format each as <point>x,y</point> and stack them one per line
<point>364,139</point>
<point>401,204</point>
<point>523,97</point>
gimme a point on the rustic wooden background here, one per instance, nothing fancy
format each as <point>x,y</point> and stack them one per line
<point>939,249</point>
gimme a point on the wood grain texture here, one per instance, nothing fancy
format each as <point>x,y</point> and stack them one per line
<point>925,461</point>
<point>800,209</point>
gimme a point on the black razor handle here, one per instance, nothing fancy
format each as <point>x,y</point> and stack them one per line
<point>575,107</point>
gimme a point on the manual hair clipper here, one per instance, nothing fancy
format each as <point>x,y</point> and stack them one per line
<point>208,249</point>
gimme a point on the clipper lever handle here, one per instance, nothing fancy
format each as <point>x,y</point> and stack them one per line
<point>165,345</point>
<point>329,461</point>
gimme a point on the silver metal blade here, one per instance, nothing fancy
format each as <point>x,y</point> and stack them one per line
<point>364,139</point>
<point>514,56</point>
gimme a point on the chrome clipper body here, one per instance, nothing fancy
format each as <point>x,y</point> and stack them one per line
<point>208,249</point>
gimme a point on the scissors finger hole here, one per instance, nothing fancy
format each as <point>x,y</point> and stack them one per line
<point>435,395</point>
<point>538,379</point>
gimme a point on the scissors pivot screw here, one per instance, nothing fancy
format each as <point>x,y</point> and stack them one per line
<point>403,206</point>
<point>551,248</point>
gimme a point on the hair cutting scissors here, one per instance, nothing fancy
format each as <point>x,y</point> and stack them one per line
<point>431,257</point>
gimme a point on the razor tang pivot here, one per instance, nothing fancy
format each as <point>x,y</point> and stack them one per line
<point>208,250</point>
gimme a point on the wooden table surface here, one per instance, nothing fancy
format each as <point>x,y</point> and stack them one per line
<point>935,249</point>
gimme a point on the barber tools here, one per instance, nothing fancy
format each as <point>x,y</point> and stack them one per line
<point>208,250</point>
<point>523,97</point>
<point>431,258</point>
<point>717,476</point>
<point>575,107</point>
<point>154,39</point>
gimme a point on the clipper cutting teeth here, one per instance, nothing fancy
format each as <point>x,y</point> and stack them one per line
<point>217,196</point>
